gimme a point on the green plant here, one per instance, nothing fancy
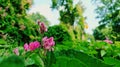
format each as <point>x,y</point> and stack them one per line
<point>63,61</point>
<point>12,61</point>
<point>13,18</point>
<point>63,57</point>
<point>108,13</point>
<point>59,33</point>
<point>112,61</point>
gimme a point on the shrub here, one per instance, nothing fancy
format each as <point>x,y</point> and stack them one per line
<point>15,26</point>
<point>59,33</point>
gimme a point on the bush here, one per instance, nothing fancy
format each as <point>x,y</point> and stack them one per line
<point>59,33</point>
<point>15,26</point>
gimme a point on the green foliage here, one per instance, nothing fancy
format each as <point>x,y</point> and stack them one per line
<point>71,16</point>
<point>79,57</point>
<point>34,60</point>
<point>68,62</point>
<point>69,13</point>
<point>109,13</point>
<point>112,61</point>
<point>2,41</point>
<point>59,33</point>
<point>12,61</point>
<point>98,35</point>
<point>38,16</point>
<point>96,49</point>
<point>15,27</point>
<point>101,49</point>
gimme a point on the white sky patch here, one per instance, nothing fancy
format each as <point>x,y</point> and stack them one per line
<point>90,14</point>
<point>46,11</point>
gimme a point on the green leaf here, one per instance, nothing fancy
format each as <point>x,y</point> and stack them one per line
<point>12,61</point>
<point>2,42</point>
<point>73,62</point>
<point>111,61</point>
<point>37,60</point>
<point>1,59</point>
<point>29,61</point>
<point>63,61</point>
<point>84,58</point>
<point>102,53</point>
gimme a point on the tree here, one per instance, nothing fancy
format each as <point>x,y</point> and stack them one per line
<point>70,14</point>
<point>109,13</point>
<point>38,16</point>
<point>67,14</point>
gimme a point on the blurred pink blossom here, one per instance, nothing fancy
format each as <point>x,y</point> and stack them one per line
<point>16,51</point>
<point>26,47</point>
<point>108,41</point>
<point>32,46</point>
<point>51,41</point>
<point>37,44</point>
<point>42,27</point>
<point>48,43</point>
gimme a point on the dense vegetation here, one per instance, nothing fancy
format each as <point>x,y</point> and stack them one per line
<point>108,13</point>
<point>27,40</point>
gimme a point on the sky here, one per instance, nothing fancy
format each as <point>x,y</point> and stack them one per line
<point>43,7</point>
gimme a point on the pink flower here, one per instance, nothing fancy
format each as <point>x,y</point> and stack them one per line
<point>51,41</point>
<point>48,43</point>
<point>42,27</point>
<point>32,46</point>
<point>44,39</point>
<point>26,47</point>
<point>108,41</point>
<point>36,44</point>
<point>16,51</point>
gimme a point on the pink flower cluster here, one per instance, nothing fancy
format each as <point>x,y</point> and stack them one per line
<point>48,43</point>
<point>32,46</point>
<point>42,27</point>
<point>108,41</point>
